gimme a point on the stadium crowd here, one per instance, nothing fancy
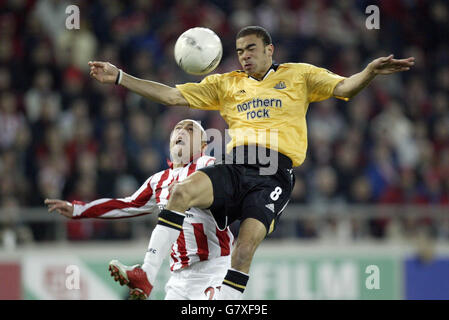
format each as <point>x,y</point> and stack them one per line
<point>63,135</point>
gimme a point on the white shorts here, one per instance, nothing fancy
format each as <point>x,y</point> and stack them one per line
<point>199,281</point>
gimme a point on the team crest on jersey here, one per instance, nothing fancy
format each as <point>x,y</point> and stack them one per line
<point>280,85</point>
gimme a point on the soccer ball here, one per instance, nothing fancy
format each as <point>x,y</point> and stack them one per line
<point>198,51</point>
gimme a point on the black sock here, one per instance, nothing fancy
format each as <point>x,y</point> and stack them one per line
<point>236,280</point>
<point>171,219</point>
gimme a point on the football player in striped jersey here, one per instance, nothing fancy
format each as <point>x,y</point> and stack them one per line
<point>201,255</point>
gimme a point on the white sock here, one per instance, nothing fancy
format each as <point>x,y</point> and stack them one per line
<point>162,238</point>
<point>228,293</point>
<point>158,248</point>
<point>233,286</point>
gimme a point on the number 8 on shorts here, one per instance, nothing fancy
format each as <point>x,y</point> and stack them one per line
<point>276,193</point>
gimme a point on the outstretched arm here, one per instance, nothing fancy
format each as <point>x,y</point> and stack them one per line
<point>141,202</point>
<point>102,208</point>
<point>106,72</point>
<point>349,87</point>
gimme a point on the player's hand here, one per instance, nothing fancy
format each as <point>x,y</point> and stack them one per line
<point>389,65</point>
<point>104,72</point>
<point>62,207</point>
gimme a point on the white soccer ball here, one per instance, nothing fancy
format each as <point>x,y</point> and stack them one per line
<point>198,51</point>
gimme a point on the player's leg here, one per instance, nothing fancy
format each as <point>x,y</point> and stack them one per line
<point>260,210</point>
<point>251,234</point>
<point>195,191</point>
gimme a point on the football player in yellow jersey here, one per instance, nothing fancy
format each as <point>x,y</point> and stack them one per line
<point>255,102</point>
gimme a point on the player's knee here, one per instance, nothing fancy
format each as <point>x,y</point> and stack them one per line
<point>180,197</point>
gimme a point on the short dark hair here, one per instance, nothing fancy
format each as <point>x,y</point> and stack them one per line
<point>258,31</point>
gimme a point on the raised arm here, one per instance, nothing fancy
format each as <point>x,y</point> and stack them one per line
<point>106,72</point>
<point>349,87</point>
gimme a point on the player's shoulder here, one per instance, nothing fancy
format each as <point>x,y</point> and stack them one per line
<point>155,177</point>
<point>236,73</point>
<point>221,77</point>
<point>297,66</point>
<point>231,74</point>
<point>204,161</point>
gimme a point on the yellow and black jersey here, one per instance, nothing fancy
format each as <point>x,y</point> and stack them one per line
<point>270,112</point>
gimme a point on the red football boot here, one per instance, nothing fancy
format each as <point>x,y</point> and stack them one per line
<point>134,277</point>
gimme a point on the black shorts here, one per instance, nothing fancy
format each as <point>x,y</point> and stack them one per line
<point>241,192</point>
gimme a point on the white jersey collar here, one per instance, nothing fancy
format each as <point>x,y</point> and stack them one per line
<point>272,69</point>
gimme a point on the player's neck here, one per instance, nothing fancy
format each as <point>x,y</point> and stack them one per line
<point>261,75</point>
<point>185,162</point>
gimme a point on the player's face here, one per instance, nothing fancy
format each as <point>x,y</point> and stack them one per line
<point>254,56</point>
<point>185,141</point>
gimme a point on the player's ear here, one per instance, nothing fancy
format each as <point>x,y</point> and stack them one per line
<point>270,50</point>
<point>203,146</point>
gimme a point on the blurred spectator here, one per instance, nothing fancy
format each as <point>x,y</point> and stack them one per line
<point>111,110</point>
<point>381,170</point>
<point>139,141</point>
<point>84,190</point>
<point>72,85</point>
<point>241,15</point>
<point>360,190</point>
<point>42,104</point>
<point>149,162</point>
<point>14,183</point>
<point>12,231</point>
<point>125,186</point>
<point>12,120</point>
<point>77,112</point>
<point>82,141</point>
<point>5,80</point>
<point>76,48</point>
<point>392,126</point>
<point>324,193</point>
<point>299,193</point>
<point>52,15</point>
<point>402,191</point>
<point>325,126</point>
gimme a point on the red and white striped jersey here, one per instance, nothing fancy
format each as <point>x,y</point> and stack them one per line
<point>199,240</point>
